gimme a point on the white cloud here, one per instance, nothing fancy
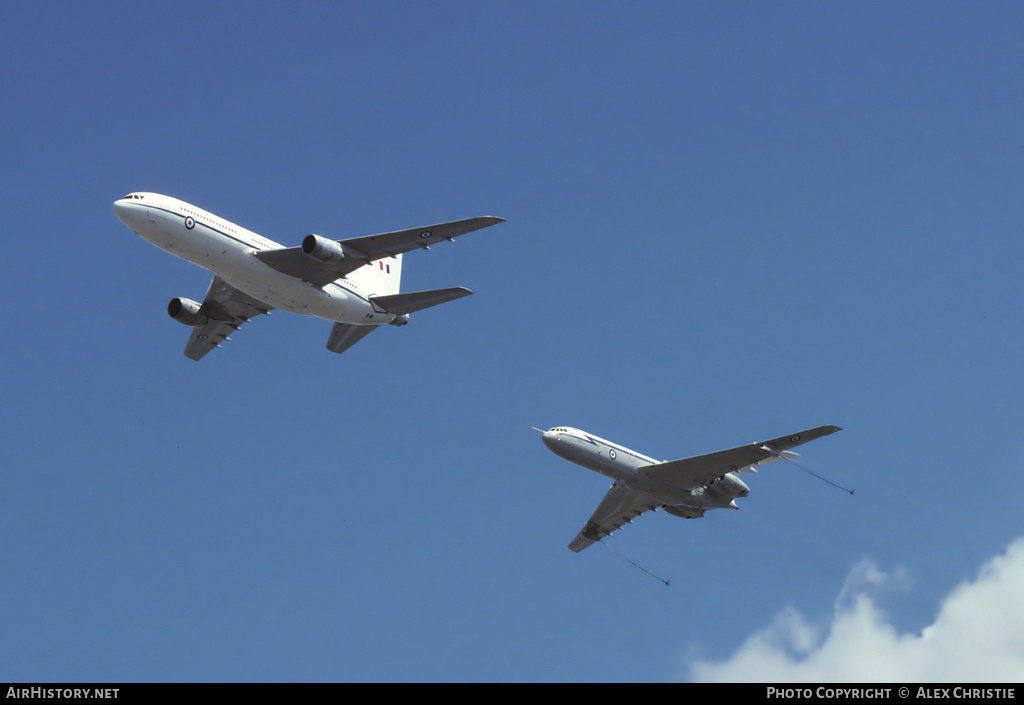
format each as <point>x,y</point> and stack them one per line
<point>977,636</point>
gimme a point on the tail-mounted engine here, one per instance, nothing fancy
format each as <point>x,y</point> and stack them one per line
<point>186,311</point>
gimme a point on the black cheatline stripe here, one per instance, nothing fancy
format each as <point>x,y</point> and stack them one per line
<point>248,244</point>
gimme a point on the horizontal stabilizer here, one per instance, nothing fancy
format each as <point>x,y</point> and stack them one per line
<point>400,304</point>
<point>345,335</point>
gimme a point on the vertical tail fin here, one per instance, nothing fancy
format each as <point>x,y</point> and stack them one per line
<point>382,275</point>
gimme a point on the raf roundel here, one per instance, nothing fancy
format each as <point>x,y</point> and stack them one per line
<point>612,454</point>
<point>794,439</point>
<point>189,223</point>
<point>426,233</point>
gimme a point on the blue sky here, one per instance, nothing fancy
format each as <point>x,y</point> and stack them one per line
<point>726,222</point>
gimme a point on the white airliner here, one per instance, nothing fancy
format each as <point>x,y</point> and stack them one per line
<point>354,282</point>
<point>684,488</point>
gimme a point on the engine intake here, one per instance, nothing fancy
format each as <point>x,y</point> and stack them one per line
<point>187,311</point>
<point>322,250</point>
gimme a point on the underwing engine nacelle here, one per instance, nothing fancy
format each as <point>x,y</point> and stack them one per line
<point>322,250</point>
<point>187,311</point>
<point>729,486</point>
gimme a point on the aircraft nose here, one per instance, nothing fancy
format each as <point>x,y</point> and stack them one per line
<point>129,212</point>
<point>121,208</point>
<point>550,438</point>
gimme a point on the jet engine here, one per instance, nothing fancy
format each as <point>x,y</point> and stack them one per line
<point>400,320</point>
<point>186,311</point>
<point>322,250</point>
<point>729,486</point>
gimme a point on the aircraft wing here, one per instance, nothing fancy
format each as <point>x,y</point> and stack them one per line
<point>701,470</point>
<point>227,309</point>
<point>620,506</point>
<point>390,244</point>
<point>362,250</point>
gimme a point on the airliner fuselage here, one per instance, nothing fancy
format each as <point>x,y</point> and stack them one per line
<point>354,282</point>
<point>229,251</point>
<point>684,488</point>
<point>624,465</point>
